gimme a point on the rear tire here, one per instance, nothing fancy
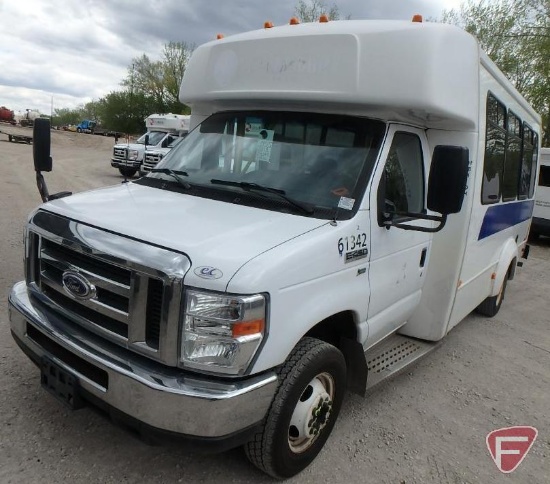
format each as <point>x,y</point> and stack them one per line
<point>311,388</point>
<point>127,172</point>
<point>491,306</point>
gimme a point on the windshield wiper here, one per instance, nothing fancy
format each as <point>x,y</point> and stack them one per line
<point>248,186</point>
<point>174,174</point>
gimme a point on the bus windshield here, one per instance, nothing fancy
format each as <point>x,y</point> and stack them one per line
<point>321,160</point>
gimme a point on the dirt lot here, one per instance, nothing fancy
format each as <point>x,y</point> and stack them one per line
<point>427,425</point>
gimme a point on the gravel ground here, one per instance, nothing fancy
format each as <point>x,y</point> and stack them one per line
<point>426,425</point>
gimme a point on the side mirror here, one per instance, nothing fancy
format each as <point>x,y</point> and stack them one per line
<point>42,160</point>
<point>146,139</point>
<point>41,145</point>
<point>448,178</point>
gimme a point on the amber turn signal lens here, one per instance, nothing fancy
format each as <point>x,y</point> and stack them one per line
<point>246,328</point>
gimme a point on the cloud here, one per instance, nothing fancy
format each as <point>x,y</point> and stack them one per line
<point>80,51</point>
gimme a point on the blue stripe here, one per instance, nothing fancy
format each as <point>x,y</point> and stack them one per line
<point>502,216</point>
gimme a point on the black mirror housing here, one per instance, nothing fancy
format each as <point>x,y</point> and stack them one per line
<point>41,145</point>
<point>146,139</point>
<point>448,179</point>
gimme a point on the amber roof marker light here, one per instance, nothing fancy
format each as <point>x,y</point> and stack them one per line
<point>220,36</point>
<point>294,21</point>
<point>417,18</point>
<point>268,25</point>
<point>323,18</point>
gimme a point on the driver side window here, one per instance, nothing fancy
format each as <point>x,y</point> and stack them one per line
<point>404,174</point>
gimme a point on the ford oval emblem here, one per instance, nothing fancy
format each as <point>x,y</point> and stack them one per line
<point>77,285</point>
<point>207,272</point>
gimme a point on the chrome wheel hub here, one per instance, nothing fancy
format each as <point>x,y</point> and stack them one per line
<point>312,413</point>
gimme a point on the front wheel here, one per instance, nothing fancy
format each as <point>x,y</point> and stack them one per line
<point>128,172</point>
<point>303,412</point>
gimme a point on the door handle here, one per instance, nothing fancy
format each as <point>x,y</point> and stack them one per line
<point>423,256</point>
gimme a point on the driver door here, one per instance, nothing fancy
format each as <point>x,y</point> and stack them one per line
<point>398,257</point>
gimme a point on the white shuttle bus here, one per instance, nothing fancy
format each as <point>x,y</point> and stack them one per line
<point>541,213</point>
<point>349,191</point>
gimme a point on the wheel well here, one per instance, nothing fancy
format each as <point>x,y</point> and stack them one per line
<point>340,330</point>
<point>332,329</point>
<point>512,269</point>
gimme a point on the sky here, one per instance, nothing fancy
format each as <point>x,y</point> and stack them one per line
<point>64,53</point>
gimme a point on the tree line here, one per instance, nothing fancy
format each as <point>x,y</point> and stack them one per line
<point>516,36</point>
<point>514,33</point>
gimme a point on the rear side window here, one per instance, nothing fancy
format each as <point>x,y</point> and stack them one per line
<point>512,160</point>
<point>511,148</point>
<point>528,163</point>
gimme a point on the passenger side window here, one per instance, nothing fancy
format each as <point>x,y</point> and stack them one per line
<point>512,162</point>
<point>495,150</point>
<point>404,174</point>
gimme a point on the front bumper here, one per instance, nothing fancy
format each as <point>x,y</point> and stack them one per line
<point>161,398</point>
<point>125,164</point>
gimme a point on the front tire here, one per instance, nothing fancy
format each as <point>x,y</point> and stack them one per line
<point>127,172</point>
<point>311,388</point>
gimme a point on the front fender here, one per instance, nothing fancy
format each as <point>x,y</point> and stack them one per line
<point>308,281</point>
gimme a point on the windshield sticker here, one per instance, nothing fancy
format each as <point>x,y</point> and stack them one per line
<point>263,148</point>
<point>346,203</point>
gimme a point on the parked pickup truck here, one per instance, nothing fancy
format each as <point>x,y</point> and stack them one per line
<point>153,157</point>
<point>162,129</point>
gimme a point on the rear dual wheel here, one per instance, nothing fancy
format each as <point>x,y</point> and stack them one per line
<point>303,412</point>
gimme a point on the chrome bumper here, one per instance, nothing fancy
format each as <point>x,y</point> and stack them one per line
<point>166,399</point>
<point>125,164</point>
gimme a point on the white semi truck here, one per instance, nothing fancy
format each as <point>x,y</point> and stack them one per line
<point>162,129</point>
<point>348,193</point>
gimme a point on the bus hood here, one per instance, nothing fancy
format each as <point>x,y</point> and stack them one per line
<point>213,234</point>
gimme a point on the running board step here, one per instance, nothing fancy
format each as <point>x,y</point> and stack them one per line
<point>393,355</point>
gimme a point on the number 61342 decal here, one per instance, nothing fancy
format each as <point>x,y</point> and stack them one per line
<point>353,247</point>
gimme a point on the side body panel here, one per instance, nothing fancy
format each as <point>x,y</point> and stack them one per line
<point>497,232</point>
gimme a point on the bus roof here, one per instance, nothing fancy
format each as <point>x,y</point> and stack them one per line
<point>425,73</point>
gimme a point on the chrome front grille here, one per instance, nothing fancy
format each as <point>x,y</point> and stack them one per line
<point>120,153</point>
<point>151,161</point>
<point>113,283</point>
<point>137,287</point>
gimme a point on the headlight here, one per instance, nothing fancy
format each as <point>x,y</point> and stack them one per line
<point>132,155</point>
<point>221,333</point>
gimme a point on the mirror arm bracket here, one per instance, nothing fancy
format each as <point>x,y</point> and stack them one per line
<point>43,189</point>
<point>442,219</point>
